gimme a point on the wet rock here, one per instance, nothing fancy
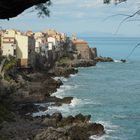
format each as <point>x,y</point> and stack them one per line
<point>64,71</point>
<point>27,108</point>
<point>58,101</point>
<point>82,118</point>
<point>103,59</point>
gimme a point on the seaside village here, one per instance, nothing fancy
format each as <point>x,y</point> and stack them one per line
<point>31,48</point>
<point>31,67</point>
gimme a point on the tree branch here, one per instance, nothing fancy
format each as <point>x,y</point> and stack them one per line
<point>12,8</point>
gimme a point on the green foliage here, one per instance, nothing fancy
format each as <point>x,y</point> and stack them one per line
<point>64,60</point>
<point>1,57</point>
<point>43,9</point>
<point>5,111</point>
<point>9,64</point>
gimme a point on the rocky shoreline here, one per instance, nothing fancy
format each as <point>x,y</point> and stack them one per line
<point>38,88</point>
<point>31,89</point>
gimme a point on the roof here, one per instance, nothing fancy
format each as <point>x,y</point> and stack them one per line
<point>79,42</point>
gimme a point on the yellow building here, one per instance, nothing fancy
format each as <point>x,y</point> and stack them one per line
<point>21,46</point>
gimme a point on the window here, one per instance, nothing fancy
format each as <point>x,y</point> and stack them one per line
<point>14,52</point>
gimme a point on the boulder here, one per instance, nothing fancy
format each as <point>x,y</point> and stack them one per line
<point>82,118</point>
<point>50,122</point>
<point>57,116</point>
<point>104,59</point>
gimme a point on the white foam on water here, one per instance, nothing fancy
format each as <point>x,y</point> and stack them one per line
<point>61,78</point>
<point>73,75</point>
<point>104,137</point>
<point>75,102</point>
<point>40,113</point>
<point>109,129</point>
<point>61,92</point>
<point>91,101</point>
<point>65,108</point>
<point>117,61</point>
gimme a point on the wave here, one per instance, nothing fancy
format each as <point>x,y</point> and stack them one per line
<point>40,113</point>
<point>63,79</point>
<point>75,102</point>
<point>64,109</point>
<point>92,102</point>
<point>109,129</point>
<point>108,125</point>
<point>104,137</point>
<point>73,75</point>
<point>61,92</point>
<point>127,117</point>
<point>117,61</point>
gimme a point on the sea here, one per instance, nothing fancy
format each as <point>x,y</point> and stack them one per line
<point>109,92</point>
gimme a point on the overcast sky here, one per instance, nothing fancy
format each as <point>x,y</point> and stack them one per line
<point>79,16</point>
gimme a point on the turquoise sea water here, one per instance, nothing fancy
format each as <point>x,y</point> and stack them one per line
<point>110,92</point>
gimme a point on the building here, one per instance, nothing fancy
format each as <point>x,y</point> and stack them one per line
<point>41,45</point>
<point>82,49</point>
<point>52,43</point>
<point>20,46</point>
<point>8,46</point>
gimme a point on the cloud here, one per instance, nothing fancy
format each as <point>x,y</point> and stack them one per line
<point>63,2</point>
<point>92,4</point>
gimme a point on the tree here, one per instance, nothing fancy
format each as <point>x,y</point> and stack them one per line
<point>12,8</point>
<point>116,1</point>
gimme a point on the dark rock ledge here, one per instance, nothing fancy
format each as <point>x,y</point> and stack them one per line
<point>38,89</point>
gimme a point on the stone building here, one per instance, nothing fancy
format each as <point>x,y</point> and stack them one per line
<point>82,49</point>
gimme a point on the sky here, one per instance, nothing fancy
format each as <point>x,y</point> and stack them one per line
<point>80,16</point>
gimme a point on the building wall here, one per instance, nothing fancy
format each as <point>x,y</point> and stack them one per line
<point>83,50</point>
<point>8,46</point>
<point>8,49</point>
<point>22,46</point>
<point>10,33</point>
<point>52,40</point>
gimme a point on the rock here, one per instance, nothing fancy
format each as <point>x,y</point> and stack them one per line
<point>123,60</point>
<point>64,71</point>
<point>96,129</point>
<point>83,63</point>
<point>50,122</point>
<point>59,82</point>
<point>58,101</point>
<point>103,59</point>
<point>67,100</point>
<point>57,116</point>
<point>27,108</point>
<point>82,118</point>
<point>51,134</point>
<point>67,121</point>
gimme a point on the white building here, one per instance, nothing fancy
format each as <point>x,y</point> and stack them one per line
<point>52,43</point>
<point>21,46</point>
<point>8,46</point>
<point>41,45</point>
